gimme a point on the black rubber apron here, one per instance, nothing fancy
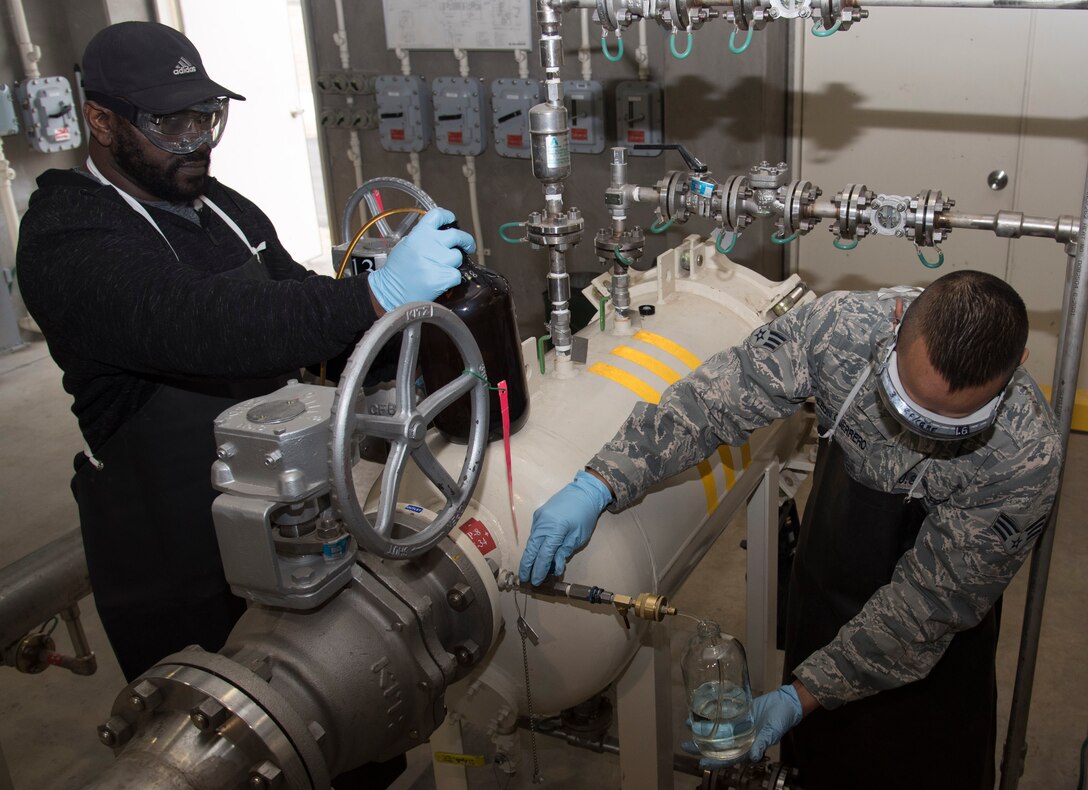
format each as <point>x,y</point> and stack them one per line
<point>145,512</point>
<point>938,732</point>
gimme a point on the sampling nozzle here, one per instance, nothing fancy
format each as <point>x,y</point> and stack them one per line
<point>648,606</point>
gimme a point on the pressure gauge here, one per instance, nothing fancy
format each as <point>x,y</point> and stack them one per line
<point>511,100</point>
<point>404,113</point>
<point>459,115</point>
<point>585,109</point>
<point>888,215</point>
<point>639,116</point>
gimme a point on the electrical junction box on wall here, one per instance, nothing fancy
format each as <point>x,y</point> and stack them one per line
<point>9,119</point>
<point>639,116</point>
<point>404,113</point>
<point>459,115</point>
<point>585,108</point>
<point>511,100</point>
<point>49,114</point>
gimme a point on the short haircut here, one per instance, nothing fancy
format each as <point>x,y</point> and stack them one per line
<point>975,328</point>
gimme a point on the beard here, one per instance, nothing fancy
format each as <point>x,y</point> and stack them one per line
<point>162,179</point>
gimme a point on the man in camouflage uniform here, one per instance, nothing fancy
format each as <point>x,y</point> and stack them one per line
<point>937,469</point>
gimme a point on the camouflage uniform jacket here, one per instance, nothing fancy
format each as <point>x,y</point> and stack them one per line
<point>987,497</point>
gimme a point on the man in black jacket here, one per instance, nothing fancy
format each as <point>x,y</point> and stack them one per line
<point>166,297</point>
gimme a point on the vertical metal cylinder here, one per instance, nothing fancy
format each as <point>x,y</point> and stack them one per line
<point>559,294</point>
<point>1063,400</point>
<point>618,169</point>
<point>550,143</point>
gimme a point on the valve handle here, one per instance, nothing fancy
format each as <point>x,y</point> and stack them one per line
<point>693,162</point>
<point>406,430</point>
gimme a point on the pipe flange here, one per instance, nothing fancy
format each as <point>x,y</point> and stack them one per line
<point>845,12</point>
<point>606,15</point>
<point>796,215</point>
<point>631,244</point>
<point>734,216</point>
<point>561,232</point>
<point>851,221</point>
<point>925,212</point>
<point>672,191</point>
<point>738,14</point>
<point>224,712</point>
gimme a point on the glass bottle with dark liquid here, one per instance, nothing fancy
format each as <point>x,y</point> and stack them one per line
<point>484,303</point>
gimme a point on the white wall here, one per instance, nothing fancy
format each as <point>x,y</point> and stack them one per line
<point>937,98</point>
<point>248,46</point>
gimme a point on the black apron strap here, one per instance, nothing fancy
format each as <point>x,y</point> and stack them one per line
<point>936,733</point>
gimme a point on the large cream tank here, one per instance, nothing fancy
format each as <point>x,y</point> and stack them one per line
<point>702,303</point>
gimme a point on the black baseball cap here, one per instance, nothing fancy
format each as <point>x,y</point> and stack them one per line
<point>151,66</point>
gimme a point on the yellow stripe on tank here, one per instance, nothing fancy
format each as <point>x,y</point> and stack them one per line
<point>726,454</point>
<point>648,393</point>
<point>659,369</point>
<point>668,346</point>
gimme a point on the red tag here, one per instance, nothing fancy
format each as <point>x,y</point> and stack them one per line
<point>455,138</point>
<point>636,136</point>
<point>62,134</point>
<point>396,134</point>
<point>479,535</point>
<point>515,141</point>
<point>504,407</point>
<point>579,133</point>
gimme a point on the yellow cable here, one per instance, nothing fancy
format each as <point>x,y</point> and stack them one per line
<point>370,223</point>
<point>347,254</point>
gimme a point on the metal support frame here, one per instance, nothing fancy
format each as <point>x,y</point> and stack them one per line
<point>1063,399</point>
<point>762,581</point>
<point>644,702</point>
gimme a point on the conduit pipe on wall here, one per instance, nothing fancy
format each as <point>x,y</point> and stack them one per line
<point>355,150</point>
<point>29,53</point>
<point>642,54</point>
<point>585,55</point>
<point>469,172</point>
<point>413,168</point>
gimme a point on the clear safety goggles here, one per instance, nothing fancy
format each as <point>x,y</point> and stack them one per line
<point>187,130</point>
<point>922,421</point>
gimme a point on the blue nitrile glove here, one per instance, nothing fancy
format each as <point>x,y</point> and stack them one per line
<point>774,715</point>
<point>424,263</point>
<point>562,525</point>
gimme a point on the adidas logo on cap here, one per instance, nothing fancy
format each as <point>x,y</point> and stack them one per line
<point>184,67</point>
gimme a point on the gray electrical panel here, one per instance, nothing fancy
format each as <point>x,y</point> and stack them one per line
<point>49,114</point>
<point>639,116</point>
<point>585,108</point>
<point>405,122</point>
<point>9,119</point>
<point>459,125</point>
<point>511,100</point>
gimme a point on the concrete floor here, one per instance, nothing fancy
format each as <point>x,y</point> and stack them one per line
<point>47,721</point>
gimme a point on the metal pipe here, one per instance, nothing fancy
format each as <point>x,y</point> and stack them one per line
<point>1063,400</point>
<point>1022,4</point>
<point>41,584</point>
<point>28,52</point>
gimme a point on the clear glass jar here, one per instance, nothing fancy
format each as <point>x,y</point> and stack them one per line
<point>719,693</point>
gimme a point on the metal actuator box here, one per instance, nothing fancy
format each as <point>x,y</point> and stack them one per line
<point>459,115</point>
<point>49,114</point>
<point>639,117</point>
<point>405,118</point>
<point>511,100</point>
<point>585,105</point>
